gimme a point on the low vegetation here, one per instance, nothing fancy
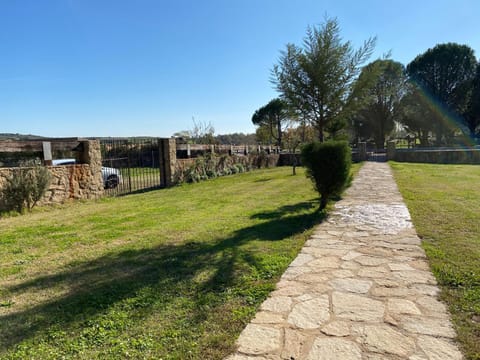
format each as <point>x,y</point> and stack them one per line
<point>328,166</point>
<point>169,274</point>
<point>24,188</point>
<point>444,201</point>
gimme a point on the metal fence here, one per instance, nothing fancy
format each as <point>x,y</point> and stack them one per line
<point>375,154</point>
<point>130,165</point>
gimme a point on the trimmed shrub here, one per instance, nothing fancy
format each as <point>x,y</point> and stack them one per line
<point>24,188</point>
<point>328,166</point>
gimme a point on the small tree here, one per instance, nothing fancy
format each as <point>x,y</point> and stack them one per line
<point>202,132</point>
<point>25,187</point>
<point>273,117</point>
<point>386,85</point>
<point>328,166</point>
<point>317,80</point>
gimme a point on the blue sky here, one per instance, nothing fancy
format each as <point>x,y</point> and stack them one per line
<point>146,67</point>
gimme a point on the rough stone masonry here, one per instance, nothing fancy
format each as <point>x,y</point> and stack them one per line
<point>360,288</point>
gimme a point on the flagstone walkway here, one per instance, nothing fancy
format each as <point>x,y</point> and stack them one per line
<point>360,288</point>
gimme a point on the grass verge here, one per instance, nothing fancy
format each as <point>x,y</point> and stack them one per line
<point>169,274</point>
<point>444,202</point>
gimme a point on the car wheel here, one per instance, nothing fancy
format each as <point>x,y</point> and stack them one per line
<point>112,182</point>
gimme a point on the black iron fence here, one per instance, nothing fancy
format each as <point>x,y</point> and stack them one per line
<point>130,165</point>
<point>375,154</point>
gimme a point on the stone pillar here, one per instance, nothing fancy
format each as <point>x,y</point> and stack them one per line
<point>391,150</point>
<point>168,159</point>
<point>90,153</point>
<point>362,151</point>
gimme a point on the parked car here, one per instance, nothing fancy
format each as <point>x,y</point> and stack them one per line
<point>111,176</point>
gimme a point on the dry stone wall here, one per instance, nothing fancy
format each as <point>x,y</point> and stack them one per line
<point>72,182</point>
<point>67,182</point>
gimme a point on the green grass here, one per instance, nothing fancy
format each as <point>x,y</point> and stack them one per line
<point>169,274</point>
<point>444,201</point>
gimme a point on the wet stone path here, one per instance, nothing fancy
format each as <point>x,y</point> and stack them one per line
<point>360,288</point>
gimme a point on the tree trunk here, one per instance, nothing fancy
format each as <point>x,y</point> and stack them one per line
<point>323,202</point>
<point>303,131</point>
<point>294,163</point>
<point>320,128</point>
<point>424,139</point>
<point>320,133</point>
<point>279,129</point>
<point>380,142</point>
<point>438,138</point>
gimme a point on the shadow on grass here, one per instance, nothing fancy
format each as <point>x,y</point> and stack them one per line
<point>147,280</point>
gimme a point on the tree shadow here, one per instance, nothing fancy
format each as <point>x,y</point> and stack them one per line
<point>288,209</point>
<point>194,268</point>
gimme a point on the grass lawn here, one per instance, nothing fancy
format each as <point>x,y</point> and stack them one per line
<point>169,274</point>
<point>444,201</point>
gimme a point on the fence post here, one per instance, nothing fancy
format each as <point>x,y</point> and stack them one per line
<point>391,149</point>
<point>362,151</point>
<point>168,159</point>
<point>47,153</point>
<point>189,151</point>
<point>90,153</point>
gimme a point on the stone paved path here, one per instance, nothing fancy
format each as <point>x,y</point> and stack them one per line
<point>359,289</point>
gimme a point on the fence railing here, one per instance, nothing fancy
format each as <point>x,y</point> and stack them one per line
<point>14,152</point>
<point>185,151</point>
<point>130,165</point>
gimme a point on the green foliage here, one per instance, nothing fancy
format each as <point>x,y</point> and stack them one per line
<point>211,166</point>
<point>236,139</point>
<point>272,117</point>
<point>417,114</point>
<point>445,73</point>
<point>473,114</point>
<point>385,83</point>
<point>328,166</point>
<point>317,80</point>
<point>24,187</point>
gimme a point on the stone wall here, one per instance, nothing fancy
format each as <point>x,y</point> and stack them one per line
<point>436,156</point>
<point>290,159</point>
<point>222,162</point>
<point>67,182</point>
<point>72,182</point>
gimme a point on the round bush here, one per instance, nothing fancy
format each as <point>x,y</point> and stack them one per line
<point>328,165</point>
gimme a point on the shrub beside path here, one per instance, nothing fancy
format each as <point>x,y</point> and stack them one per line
<point>360,288</point>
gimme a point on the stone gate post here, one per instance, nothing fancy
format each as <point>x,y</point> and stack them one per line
<point>168,159</point>
<point>90,153</point>
<point>362,151</point>
<point>391,149</point>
